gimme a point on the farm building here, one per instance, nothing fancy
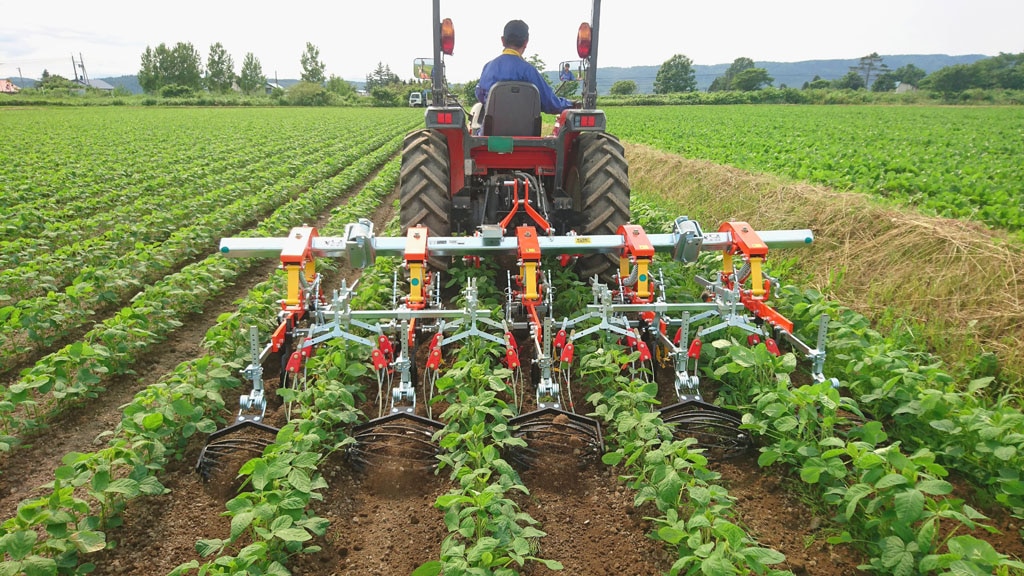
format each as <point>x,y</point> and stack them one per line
<point>95,84</point>
<point>8,87</point>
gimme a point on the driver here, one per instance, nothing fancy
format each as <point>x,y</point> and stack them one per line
<point>510,66</point>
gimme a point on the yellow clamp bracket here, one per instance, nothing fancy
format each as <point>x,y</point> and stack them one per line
<point>643,278</point>
<point>415,282</point>
<point>623,267</point>
<point>756,278</point>
<point>727,263</point>
<point>310,270</point>
<point>530,281</point>
<point>294,287</point>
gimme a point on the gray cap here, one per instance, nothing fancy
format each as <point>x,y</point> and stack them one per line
<point>516,33</point>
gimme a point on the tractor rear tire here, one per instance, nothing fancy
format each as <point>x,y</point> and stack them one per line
<point>424,198</point>
<point>599,185</point>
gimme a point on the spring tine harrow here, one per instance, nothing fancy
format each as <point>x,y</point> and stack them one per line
<point>553,431</point>
<point>715,428</point>
<point>245,438</point>
<point>400,439</point>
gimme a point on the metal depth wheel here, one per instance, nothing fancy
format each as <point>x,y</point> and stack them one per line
<point>424,198</point>
<point>598,182</point>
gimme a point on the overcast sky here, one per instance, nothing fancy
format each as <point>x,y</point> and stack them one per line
<point>354,35</point>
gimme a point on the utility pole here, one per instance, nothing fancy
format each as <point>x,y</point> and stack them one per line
<point>81,64</point>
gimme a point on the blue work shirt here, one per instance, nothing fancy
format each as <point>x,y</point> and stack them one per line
<point>510,67</point>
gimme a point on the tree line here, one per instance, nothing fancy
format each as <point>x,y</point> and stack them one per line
<point>178,71</point>
<point>1005,71</point>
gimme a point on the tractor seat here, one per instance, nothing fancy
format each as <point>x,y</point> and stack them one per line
<point>512,109</point>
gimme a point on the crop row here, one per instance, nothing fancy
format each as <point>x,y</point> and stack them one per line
<point>888,495</point>
<point>957,162</point>
<point>77,371</point>
<point>156,427</point>
<point>272,520</point>
<point>978,434</point>
<point>69,240</point>
<point>40,321</point>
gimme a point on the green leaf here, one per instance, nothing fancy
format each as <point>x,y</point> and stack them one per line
<point>893,550</point>
<point>18,544</point>
<point>125,486</point>
<point>810,474</point>
<point>786,423</point>
<point>671,535</point>
<point>763,556</point>
<point>153,421</point>
<point>300,480</point>
<point>717,564</point>
<point>39,566</point>
<point>612,458</point>
<point>909,506</point>
<point>552,564</point>
<point>768,457</point>
<point>293,534</point>
<point>260,474</point>
<point>150,486</point>
<point>432,568</point>
<point>209,546</point>
<point>935,487</point>
<point>890,480</point>
<point>743,356</point>
<point>1005,452</point>
<point>240,522</point>
<point>88,541</point>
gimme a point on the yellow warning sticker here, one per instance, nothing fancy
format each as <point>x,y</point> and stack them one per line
<point>582,240</point>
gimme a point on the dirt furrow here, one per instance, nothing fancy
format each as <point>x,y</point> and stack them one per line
<point>160,532</point>
<point>76,430</point>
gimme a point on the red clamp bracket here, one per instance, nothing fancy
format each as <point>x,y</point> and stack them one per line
<point>297,258</point>
<point>746,241</point>
<point>638,248</point>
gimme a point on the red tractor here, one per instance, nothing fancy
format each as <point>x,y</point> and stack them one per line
<point>457,183</point>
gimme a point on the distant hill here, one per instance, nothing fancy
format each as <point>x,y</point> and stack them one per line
<point>792,74</point>
<point>130,83</point>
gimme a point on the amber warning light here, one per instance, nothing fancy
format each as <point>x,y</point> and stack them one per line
<point>447,36</point>
<point>583,41</point>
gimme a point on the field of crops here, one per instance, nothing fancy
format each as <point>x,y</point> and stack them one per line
<point>123,332</point>
<point>957,162</point>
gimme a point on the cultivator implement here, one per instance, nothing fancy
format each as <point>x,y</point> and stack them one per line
<point>632,311</point>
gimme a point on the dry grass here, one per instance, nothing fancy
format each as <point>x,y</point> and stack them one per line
<point>959,285</point>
